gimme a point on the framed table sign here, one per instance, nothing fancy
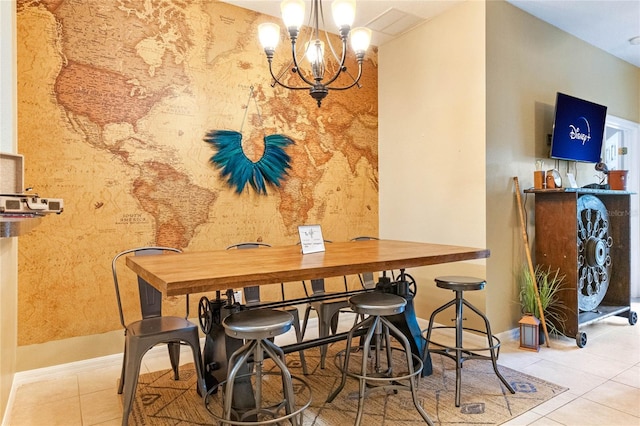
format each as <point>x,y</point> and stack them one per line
<point>311,238</point>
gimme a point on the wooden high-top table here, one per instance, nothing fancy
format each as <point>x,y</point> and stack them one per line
<point>221,270</point>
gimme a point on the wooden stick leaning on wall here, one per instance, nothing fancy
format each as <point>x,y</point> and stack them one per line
<point>523,225</point>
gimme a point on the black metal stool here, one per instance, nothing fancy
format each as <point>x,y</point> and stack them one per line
<point>256,327</point>
<point>459,285</point>
<point>377,305</point>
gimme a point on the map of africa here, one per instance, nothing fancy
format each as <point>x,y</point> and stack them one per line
<point>114,99</point>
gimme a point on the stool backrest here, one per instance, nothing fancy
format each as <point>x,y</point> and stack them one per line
<point>150,298</point>
<point>251,294</point>
<point>318,284</point>
<point>367,279</point>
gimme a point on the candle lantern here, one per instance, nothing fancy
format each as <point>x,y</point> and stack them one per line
<point>529,333</point>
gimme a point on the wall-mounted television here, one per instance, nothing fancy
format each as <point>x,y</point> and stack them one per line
<point>578,129</point>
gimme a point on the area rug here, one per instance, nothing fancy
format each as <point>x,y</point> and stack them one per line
<point>484,400</point>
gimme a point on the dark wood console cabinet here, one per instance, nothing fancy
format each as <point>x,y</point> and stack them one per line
<point>572,238</point>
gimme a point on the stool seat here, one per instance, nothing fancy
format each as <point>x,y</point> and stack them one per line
<point>257,323</point>
<point>460,283</point>
<point>377,303</point>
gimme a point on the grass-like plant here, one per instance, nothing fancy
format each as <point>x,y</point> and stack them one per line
<point>549,284</point>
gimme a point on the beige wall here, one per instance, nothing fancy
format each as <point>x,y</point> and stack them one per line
<point>451,142</point>
<point>432,141</point>
<point>8,316</point>
<point>8,246</point>
<point>528,61</point>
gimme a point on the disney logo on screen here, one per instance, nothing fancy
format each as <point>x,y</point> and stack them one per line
<point>576,134</point>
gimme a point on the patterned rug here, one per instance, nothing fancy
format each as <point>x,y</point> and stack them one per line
<point>484,400</point>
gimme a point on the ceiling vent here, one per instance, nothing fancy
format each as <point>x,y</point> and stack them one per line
<point>394,22</point>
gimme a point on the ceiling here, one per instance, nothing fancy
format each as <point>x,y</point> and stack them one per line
<point>606,24</point>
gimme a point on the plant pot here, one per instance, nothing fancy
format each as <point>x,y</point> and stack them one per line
<point>618,179</point>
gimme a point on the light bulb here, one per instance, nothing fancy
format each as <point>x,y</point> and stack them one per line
<point>269,35</point>
<point>344,12</point>
<point>314,51</point>
<point>360,39</point>
<point>292,13</point>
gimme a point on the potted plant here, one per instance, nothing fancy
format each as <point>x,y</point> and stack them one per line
<point>549,284</point>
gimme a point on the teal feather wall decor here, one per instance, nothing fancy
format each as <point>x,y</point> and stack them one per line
<point>239,170</point>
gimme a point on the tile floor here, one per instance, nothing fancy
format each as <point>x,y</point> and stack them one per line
<point>603,380</point>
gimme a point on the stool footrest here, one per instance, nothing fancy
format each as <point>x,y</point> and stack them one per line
<point>339,363</point>
<point>272,411</point>
<point>458,353</point>
<point>383,329</point>
<point>495,340</point>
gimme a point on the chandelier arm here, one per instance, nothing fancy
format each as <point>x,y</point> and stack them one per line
<point>278,82</point>
<point>355,82</point>
<point>355,79</point>
<point>277,79</point>
<point>333,51</point>
<point>296,68</point>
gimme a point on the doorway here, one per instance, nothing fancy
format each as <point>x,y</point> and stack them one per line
<point>621,151</point>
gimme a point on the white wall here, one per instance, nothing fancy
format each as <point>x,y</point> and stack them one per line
<point>431,97</point>
<point>8,246</point>
<point>629,137</point>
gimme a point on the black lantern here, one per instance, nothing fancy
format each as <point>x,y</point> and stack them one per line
<point>529,333</point>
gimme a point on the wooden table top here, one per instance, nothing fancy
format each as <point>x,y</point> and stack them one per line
<point>205,271</point>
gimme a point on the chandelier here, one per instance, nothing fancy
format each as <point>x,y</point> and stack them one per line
<point>293,15</point>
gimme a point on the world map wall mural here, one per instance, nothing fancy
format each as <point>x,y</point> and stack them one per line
<point>114,100</point>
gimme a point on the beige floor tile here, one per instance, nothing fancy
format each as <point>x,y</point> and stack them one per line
<point>555,403</point>
<point>59,388</point>
<point>616,395</point>
<point>620,345</point>
<point>63,412</point>
<point>630,377</point>
<point>598,329</point>
<point>579,382</point>
<point>105,378</point>
<point>545,421</point>
<point>517,359</point>
<point>101,406</point>
<point>524,419</point>
<point>584,412</point>
<point>587,362</point>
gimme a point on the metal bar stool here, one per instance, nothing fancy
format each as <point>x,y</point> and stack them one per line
<point>256,327</point>
<point>253,298</point>
<point>460,354</point>
<point>376,305</point>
